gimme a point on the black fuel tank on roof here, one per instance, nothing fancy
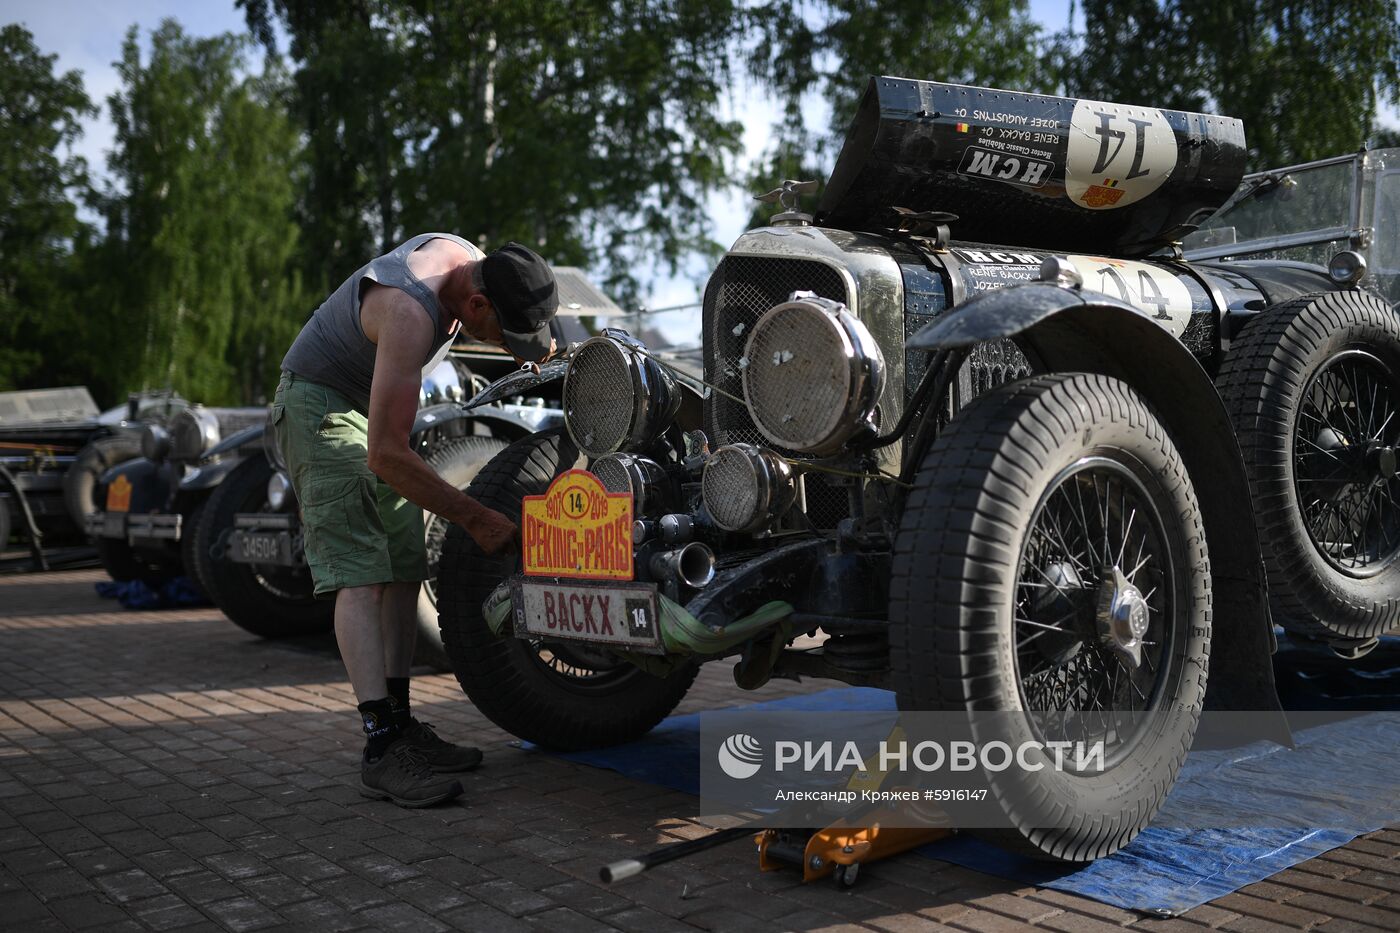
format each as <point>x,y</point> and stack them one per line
<point>1032,170</point>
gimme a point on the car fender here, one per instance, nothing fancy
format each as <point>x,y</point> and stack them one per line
<point>218,461</point>
<point>498,423</point>
<point>249,435</point>
<point>528,381</point>
<point>523,381</point>
<point>1068,330</point>
<point>150,481</point>
<point>203,477</point>
<point>1278,281</point>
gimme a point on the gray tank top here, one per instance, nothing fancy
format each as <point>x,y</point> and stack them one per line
<point>332,348</point>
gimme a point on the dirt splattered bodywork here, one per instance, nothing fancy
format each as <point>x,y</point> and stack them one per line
<point>979,425</point>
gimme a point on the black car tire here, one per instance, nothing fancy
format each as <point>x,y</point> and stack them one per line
<point>1272,381</point>
<point>457,461</point>
<point>82,484</point>
<point>270,602</point>
<point>511,680</point>
<point>189,544</point>
<point>968,538</point>
<point>124,564</point>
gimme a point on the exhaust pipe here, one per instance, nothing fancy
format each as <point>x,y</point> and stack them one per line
<point>692,564</point>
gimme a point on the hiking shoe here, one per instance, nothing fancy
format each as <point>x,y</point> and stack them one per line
<point>402,775</point>
<point>442,757</point>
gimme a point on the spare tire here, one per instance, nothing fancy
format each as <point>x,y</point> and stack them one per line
<point>82,483</point>
<point>1313,388</point>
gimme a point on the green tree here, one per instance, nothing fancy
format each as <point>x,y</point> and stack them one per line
<point>1385,137</point>
<point>39,177</point>
<point>983,42</point>
<point>1305,76</point>
<point>828,50</point>
<point>589,129</point>
<point>346,96</point>
<point>201,239</point>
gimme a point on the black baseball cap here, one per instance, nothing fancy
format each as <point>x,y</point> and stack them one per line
<point>520,286</point>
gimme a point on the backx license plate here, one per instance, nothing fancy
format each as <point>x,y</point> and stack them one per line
<point>620,615</point>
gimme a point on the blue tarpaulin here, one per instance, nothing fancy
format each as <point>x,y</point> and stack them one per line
<point>173,593</point>
<point>1341,773</point>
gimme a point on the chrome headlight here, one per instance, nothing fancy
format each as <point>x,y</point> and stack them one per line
<point>192,432</point>
<point>615,398</point>
<point>155,443</point>
<point>442,384</point>
<point>644,480</point>
<point>279,490</point>
<point>812,374</point>
<point>746,488</point>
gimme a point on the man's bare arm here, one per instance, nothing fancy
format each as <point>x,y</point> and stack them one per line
<point>404,335</point>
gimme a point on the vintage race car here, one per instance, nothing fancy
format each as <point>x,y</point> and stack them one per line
<point>54,447</point>
<point>151,502</point>
<point>980,425</point>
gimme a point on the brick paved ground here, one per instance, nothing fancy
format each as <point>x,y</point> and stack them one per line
<point>165,771</point>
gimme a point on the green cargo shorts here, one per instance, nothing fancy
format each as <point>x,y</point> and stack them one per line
<point>358,530</point>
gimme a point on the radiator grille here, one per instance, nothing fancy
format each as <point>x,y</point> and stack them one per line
<point>990,364</point>
<point>740,291</point>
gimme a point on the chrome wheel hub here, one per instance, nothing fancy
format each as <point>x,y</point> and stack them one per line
<point>1123,616</point>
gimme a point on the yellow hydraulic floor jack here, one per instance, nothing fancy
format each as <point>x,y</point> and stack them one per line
<point>836,851</point>
<point>841,848</point>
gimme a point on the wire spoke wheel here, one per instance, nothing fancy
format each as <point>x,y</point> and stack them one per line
<point>457,461</point>
<point>1096,536</point>
<point>1312,385</point>
<point>1051,572</point>
<point>433,536</point>
<point>1344,462</point>
<point>579,668</point>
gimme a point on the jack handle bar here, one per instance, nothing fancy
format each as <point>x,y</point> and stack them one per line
<point>626,868</point>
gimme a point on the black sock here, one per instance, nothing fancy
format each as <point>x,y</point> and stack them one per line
<point>381,729</point>
<point>398,692</point>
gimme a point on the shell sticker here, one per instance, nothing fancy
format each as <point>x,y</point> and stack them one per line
<point>1117,154</point>
<point>119,495</point>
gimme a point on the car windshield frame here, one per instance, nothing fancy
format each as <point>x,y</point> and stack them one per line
<point>1276,179</point>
